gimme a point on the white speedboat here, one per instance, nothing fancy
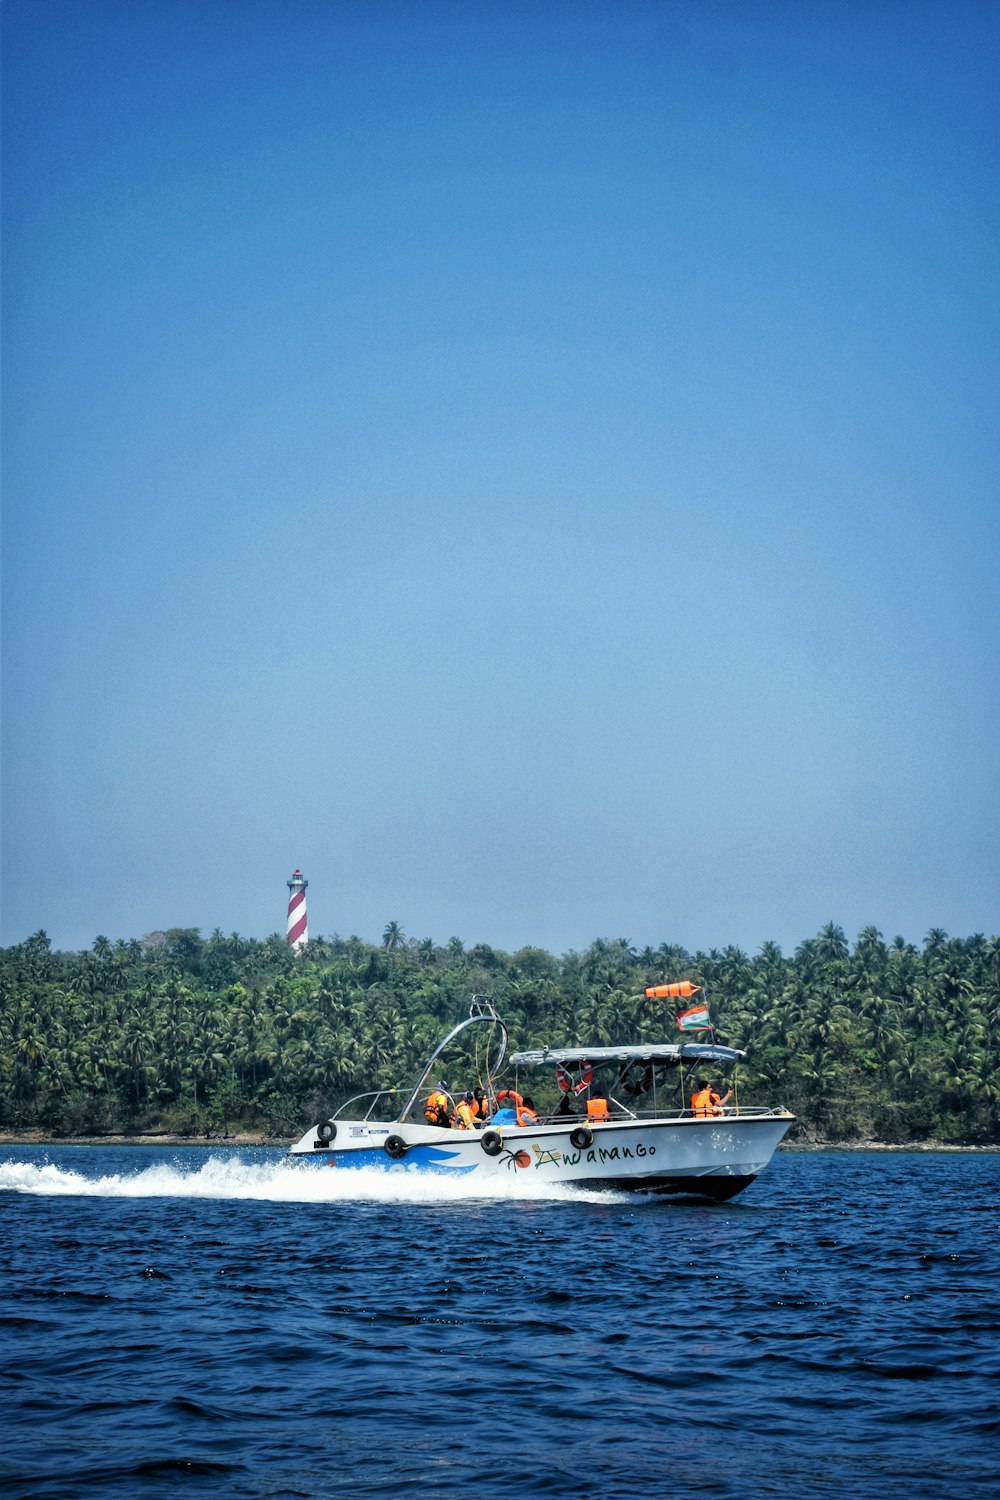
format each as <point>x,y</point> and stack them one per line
<point>624,1120</point>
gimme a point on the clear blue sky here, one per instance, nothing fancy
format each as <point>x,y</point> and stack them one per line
<point>532,465</point>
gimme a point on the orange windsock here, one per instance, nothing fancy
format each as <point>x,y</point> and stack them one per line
<point>682,990</point>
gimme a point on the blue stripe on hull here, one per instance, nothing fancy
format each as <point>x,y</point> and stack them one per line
<point>423,1158</point>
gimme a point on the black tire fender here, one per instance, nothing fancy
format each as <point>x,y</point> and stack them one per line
<point>326,1132</point>
<point>581,1137</point>
<point>395,1146</point>
<point>491,1142</point>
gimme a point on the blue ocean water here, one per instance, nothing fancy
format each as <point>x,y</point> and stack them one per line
<point>234,1324</point>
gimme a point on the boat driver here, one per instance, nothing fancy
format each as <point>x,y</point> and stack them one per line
<point>437,1110</point>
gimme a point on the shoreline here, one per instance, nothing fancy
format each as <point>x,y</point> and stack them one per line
<point>256,1138</point>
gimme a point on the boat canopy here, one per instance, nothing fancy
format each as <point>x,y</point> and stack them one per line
<point>669,1053</point>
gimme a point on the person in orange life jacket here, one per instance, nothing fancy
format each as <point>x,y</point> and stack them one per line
<point>526,1112</point>
<point>705,1101</point>
<point>464,1118</point>
<point>480,1104</point>
<point>437,1110</point>
<point>597,1108</point>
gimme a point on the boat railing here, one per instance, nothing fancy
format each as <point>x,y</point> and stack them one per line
<point>621,1113</point>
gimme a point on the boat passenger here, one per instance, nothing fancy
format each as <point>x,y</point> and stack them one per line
<point>464,1117</point>
<point>480,1105</point>
<point>437,1110</point>
<point>705,1101</point>
<point>526,1114</point>
<point>597,1108</point>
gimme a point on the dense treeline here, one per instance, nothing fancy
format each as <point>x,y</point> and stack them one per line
<point>191,1035</point>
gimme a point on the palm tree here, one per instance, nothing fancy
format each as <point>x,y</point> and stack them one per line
<point>673,957</point>
<point>831,943</point>
<point>393,937</point>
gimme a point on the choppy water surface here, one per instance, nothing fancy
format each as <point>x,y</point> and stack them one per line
<point>237,1325</point>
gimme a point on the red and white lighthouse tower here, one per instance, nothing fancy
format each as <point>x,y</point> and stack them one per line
<point>297,933</point>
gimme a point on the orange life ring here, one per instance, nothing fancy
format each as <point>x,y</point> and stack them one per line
<point>566,1081</point>
<point>636,1078</point>
<point>506,1094</point>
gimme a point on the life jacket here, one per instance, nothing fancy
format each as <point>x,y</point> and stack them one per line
<point>480,1107</point>
<point>597,1109</point>
<point>527,1116</point>
<point>436,1109</point>
<point>706,1102</point>
<point>463,1118</point>
<point>568,1078</point>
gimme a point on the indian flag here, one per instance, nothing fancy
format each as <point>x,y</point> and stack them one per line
<point>694,1019</point>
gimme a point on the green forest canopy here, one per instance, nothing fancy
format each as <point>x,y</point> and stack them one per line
<point>181,1033</point>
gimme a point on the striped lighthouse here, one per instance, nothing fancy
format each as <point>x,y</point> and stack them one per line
<point>297,934</point>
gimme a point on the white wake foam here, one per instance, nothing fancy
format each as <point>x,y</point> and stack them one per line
<point>285,1182</point>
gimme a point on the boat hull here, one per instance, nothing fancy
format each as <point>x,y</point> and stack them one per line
<point>708,1158</point>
